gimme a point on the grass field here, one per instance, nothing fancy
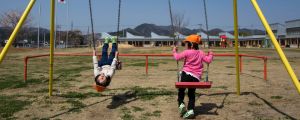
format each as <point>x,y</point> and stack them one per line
<point>135,95</point>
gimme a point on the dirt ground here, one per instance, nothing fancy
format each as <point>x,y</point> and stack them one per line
<point>133,94</point>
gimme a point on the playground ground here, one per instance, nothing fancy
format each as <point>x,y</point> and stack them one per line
<point>135,95</point>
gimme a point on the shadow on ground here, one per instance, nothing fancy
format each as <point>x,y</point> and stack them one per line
<point>206,108</point>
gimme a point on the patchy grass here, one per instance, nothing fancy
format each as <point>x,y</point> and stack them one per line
<point>85,87</point>
<point>72,72</point>
<point>137,109</point>
<point>149,114</point>
<point>43,90</point>
<point>254,103</point>
<point>150,93</point>
<point>229,66</point>
<point>126,114</point>
<point>256,70</point>
<point>171,70</point>
<point>80,95</point>
<point>10,105</point>
<point>276,97</point>
<point>76,103</point>
<point>142,62</point>
<point>8,81</point>
<point>11,81</point>
<point>221,87</point>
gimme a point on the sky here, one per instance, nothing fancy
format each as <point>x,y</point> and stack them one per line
<point>136,12</point>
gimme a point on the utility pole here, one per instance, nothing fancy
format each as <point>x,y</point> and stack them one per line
<point>44,38</point>
<point>55,25</point>
<point>66,46</point>
<point>88,37</point>
<point>38,39</point>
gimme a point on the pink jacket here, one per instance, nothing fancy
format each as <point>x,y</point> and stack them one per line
<point>193,61</point>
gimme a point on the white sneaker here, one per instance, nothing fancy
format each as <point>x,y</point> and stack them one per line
<point>182,109</point>
<point>190,114</point>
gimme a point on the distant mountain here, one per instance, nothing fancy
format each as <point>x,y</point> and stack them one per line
<point>215,32</point>
<point>248,32</point>
<point>145,29</point>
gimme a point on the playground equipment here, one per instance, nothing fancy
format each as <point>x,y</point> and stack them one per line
<point>200,84</point>
<point>118,66</point>
<point>193,84</point>
<point>254,3</point>
<point>264,58</point>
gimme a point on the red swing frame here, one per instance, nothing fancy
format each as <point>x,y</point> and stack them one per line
<point>202,85</point>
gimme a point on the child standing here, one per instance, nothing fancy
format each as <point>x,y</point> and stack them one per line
<point>105,68</point>
<point>191,71</point>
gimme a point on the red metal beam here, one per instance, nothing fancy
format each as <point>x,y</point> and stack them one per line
<point>137,55</point>
<point>193,84</point>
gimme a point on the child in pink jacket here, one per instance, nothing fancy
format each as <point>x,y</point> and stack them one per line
<point>191,71</point>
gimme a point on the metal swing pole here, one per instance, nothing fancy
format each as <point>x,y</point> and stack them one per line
<point>118,23</point>
<point>92,25</point>
<point>52,24</point>
<point>206,23</point>
<point>236,38</point>
<point>279,51</point>
<point>173,30</point>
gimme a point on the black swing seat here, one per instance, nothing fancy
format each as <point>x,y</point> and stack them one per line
<point>201,85</point>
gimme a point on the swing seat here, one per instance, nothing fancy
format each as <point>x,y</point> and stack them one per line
<point>202,85</point>
<point>119,65</point>
<point>99,88</point>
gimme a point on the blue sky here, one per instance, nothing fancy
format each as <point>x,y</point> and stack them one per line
<point>135,12</point>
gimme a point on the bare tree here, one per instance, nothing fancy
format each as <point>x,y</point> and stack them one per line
<point>10,20</point>
<point>179,22</point>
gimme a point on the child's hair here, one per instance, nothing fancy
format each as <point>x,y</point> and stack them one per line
<point>192,45</point>
<point>106,83</point>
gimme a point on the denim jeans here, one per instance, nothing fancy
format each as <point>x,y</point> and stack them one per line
<point>105,59</point>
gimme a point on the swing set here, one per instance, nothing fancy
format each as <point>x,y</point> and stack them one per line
<point>200,84</point>
<point>205,84</point>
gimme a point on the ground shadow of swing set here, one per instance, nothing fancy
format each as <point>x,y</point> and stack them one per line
<point>202,109</point>
<point>206,108</point>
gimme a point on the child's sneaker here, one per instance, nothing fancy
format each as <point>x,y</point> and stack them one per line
<point>106,40</point>
<point>182,109</point>
<point>189,114</point>
<point>113,39</point>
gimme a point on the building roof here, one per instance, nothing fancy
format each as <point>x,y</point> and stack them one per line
<point>295,20</point>
<point>129,35</point>
<point>104,35</point>
<point>154,35</point>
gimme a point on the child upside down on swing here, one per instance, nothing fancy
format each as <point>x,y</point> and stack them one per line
<point>105,68</point>
<point>191,71</point>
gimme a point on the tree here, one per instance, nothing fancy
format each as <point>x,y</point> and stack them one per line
<point>179,22</point>
<point>76,38</point>
<point>10,20</point>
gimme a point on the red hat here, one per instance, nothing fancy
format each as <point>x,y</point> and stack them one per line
<point>193,38</point>
<point>98,88</point>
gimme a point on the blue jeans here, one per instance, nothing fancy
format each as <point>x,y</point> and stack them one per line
<point>105,59</point>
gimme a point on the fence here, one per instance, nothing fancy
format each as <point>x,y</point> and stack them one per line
<point>264,58</point>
